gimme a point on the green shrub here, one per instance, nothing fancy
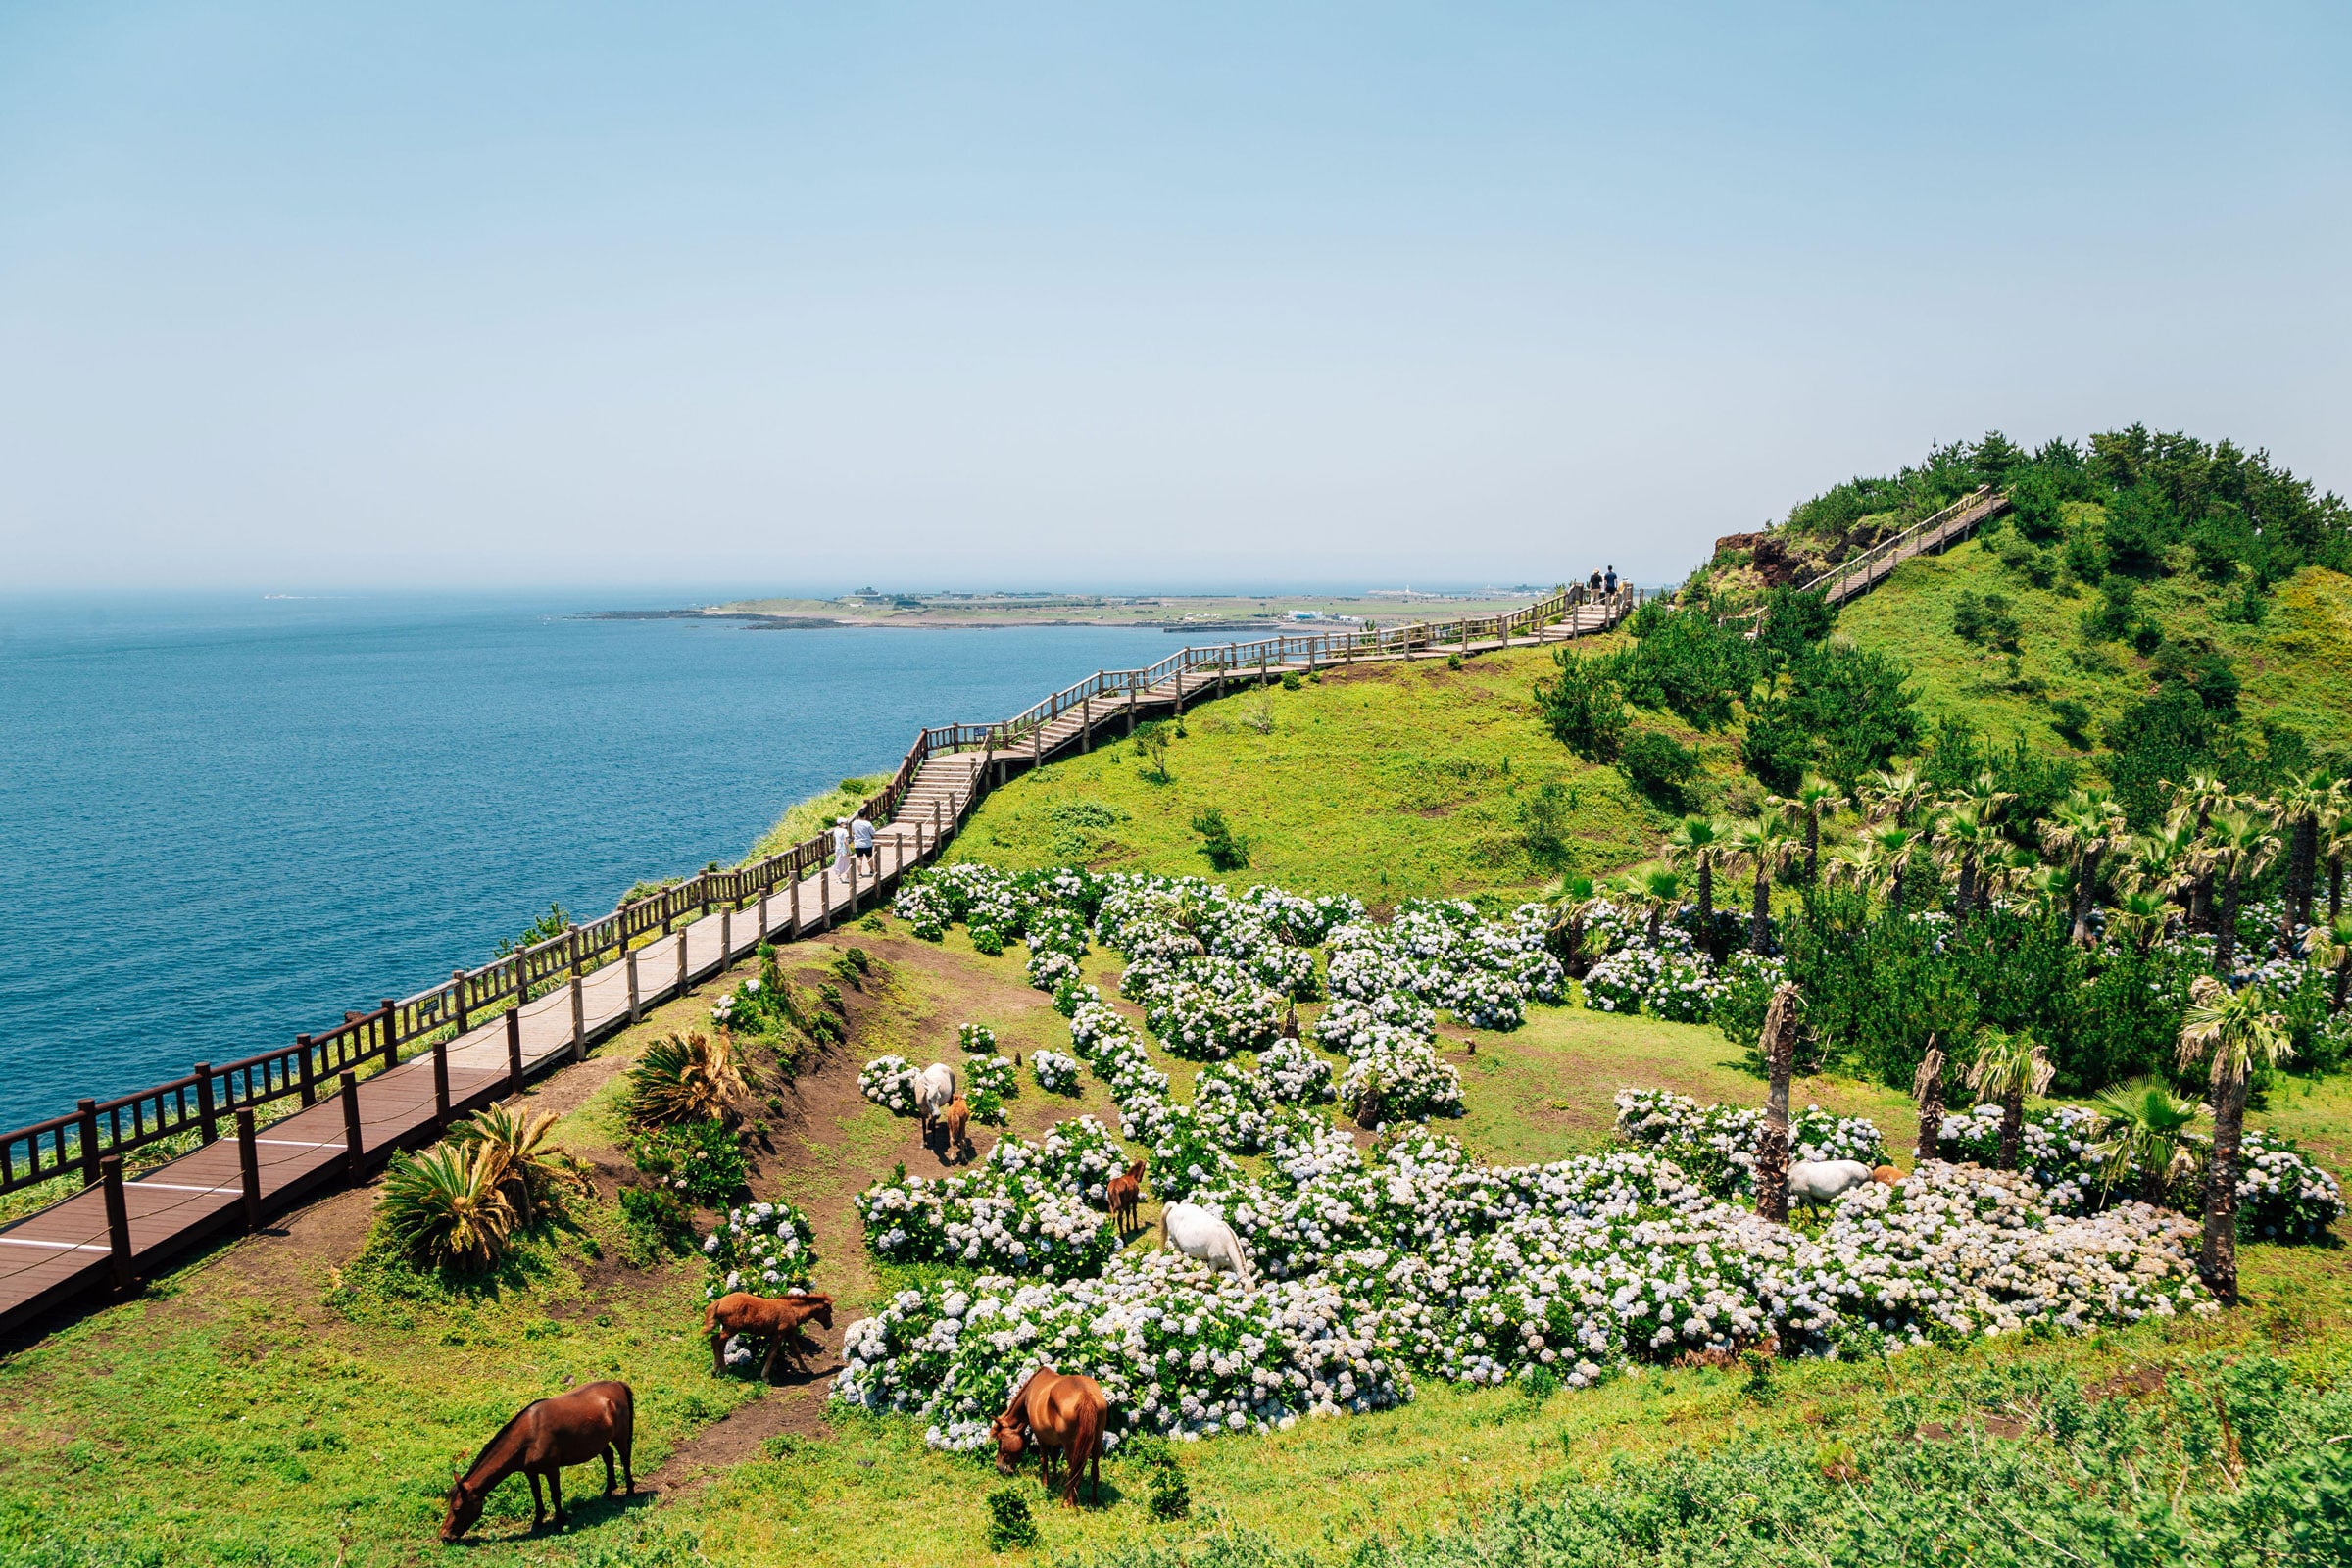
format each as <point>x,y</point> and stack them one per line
<point>446,1208</point>
<point>1660,767</point>
<point>699,1161</point>
<point>1585,706</point>
<point>1227,851</point>
<point>1009,1527</point>
<point>2071,720</point>
<point>1987,619</point>
<point>654,1226</point>
<point>1544,823</point>
<point>1292,681</point>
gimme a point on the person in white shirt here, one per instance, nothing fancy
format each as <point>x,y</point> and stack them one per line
<point>862,838</point>
<point>841,849</point>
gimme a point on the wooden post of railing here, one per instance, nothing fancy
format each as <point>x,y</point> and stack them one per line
<point>310,1074</point>
<point>685,935</point>
<point>514,1049</point>
<point>1221,664</point>
<point>824,896</point>
<point>1132,682</point>
<point>936,820</point>
<point>205,1131</point>
<point>522,977</point>
<point>353,1154</point>
<point>440,1085</point>
<point>636,1006</point>
<point>1086,722</point>
<point>249,1170</point>
<point>1261,665</point>
<point>1037,758</point>
<point>457,983</point>
<point>796,894</point>
<point>118,1220</point>
<point>89,1130</point>
<point>579,1002</point>
<point>763,913</point>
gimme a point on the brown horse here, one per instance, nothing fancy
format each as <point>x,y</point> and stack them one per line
<point>1055,1414</point>
<point>545,1435</point>
<point>959,1118</point>
<point>1121,1194</point>
<point>779,1317</point>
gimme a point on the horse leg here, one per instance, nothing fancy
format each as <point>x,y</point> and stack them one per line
<point>611,1480</point>
<point>767,1362</point>
<point>719,1351</point>
<point>554,1491</point>
<point>624,1442</point>
<point>538,1508</point>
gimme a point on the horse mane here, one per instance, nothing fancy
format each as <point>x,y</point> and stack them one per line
<point>500,1436</point>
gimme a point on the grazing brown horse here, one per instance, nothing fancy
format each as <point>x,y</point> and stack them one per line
<point>1886,1175</point>
<point>1121,1194</point>
<point>1055,1414</point>
<point>959,1117</point>
<point>545,1435</point>
<point>779,1317</point>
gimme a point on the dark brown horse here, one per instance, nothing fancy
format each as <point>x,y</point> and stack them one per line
<point>1121,1194</point>
<point>545,1435</point>
<point>779,1317</point>
<point>1055,1414</point>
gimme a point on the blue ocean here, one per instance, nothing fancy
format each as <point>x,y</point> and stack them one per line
<point>224,821</point>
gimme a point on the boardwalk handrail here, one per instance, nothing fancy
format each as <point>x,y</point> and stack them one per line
<point>1859,572</point>
<point>372,1041</point>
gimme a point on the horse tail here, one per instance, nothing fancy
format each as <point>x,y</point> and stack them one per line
<point>710,1317</point>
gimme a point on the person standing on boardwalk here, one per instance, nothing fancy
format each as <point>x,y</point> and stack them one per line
<point>1611,580</point>
<point>841,849</point>
<point>862,838</point>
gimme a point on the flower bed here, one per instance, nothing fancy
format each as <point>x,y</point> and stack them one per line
<point>1011,1213</point>
<point>1212,1009</point>
<point>2282,1196</point>
<point>1055,1073</point>
<point>889,1082</point>
<point>1233,1103</point>
<point>1668,982</point>
<point>1292,1073</point>
<point>1053,970</point>
<point>1397,1077</point>
<point>2053,1149</point>
<point>1716,1144</point>
<point>766,1248</point>
<point>976,1037</point>
<point>1350,1024</point>
<point>989,1081</point>
<point>700,1160</point>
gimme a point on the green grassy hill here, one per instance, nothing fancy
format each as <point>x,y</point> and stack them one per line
<point>2295,664</point>
<point>1387,781</point>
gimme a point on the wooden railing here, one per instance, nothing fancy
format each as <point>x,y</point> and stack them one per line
<point>1862,572</point>
<point>373,1041</point>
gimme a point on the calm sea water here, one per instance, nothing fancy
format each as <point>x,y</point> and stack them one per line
<point>223,824</point>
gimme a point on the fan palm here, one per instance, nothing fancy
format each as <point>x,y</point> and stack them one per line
<point>1764,845</point>
<point>1961,837</point>
<point>2146,1132</point>
<point>1894,844</point>
<point>1892,795</point>
<point>2139,918</point>
<point>1697,843</point>
<point>1659,894</point>
<point>2298,809</point>
<point>2193,805</point>
<point>2082,828</point>
<point>2236,845</point>
<point>691,1077</point>
<point>2336,841</point>
<point>2007,1068</point>
<point>444,1206</point>
<point>2236,1033</point>
<point>1814,799</point>
<point>2330,945</point>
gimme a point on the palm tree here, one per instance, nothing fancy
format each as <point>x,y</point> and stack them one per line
<point>2335,839</point>
<point>2084,827</point>
<point>1927,1087</point>
<point>1961,836</point>
<point>2332,945</point>
<point>2299,810</point>
<point>2236,1033</point>
<point>2004,868</point>
<point>1894,844</point>
<point>2146,1132</point>
<point>1779,1059</point>
<point>1660,892</point>
<point>2193,805</point>
<point>2008,1068</point>
<point>1815,799</point>
<point>1887,795</point>
<point>2139,918</point>
<point>1696,841</point>
<point>1764,845</point>
<point>1569,907</point>
<point>2160,863</point>
<point>2237,845</point>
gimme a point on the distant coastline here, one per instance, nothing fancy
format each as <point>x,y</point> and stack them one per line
<point>1214,615</point>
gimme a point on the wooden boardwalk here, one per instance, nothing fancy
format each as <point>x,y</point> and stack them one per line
<point>363,1100</point>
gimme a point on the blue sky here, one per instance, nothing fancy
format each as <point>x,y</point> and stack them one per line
<point>777,297</point>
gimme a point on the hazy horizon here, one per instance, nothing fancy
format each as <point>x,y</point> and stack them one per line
<point>1252,299</point>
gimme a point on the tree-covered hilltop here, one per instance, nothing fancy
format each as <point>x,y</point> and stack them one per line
<point>2135,503</point>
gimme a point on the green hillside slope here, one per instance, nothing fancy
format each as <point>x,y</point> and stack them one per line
<point>1385,781</point>
<point>2295,664</point>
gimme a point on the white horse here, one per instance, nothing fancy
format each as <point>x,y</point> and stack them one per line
<point>1815,1182</point>
<point>934,1092</point>
<point>1196,1233</point>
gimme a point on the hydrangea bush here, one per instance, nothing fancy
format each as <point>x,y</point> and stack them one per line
<point>2282,1196</point>
<point>1011,1213</point>
<point>889,1082</point>
<point>976,1037</point>
<point>1292,1073</point>
<point>989,1081</point>
<point>1055,1073</point>
<point>767,1248</point>
<point>1715,1144</point>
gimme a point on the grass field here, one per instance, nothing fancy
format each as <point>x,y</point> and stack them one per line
<point>280,1401</point>
<point>2296,665</point>
<point>1387,781</point>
